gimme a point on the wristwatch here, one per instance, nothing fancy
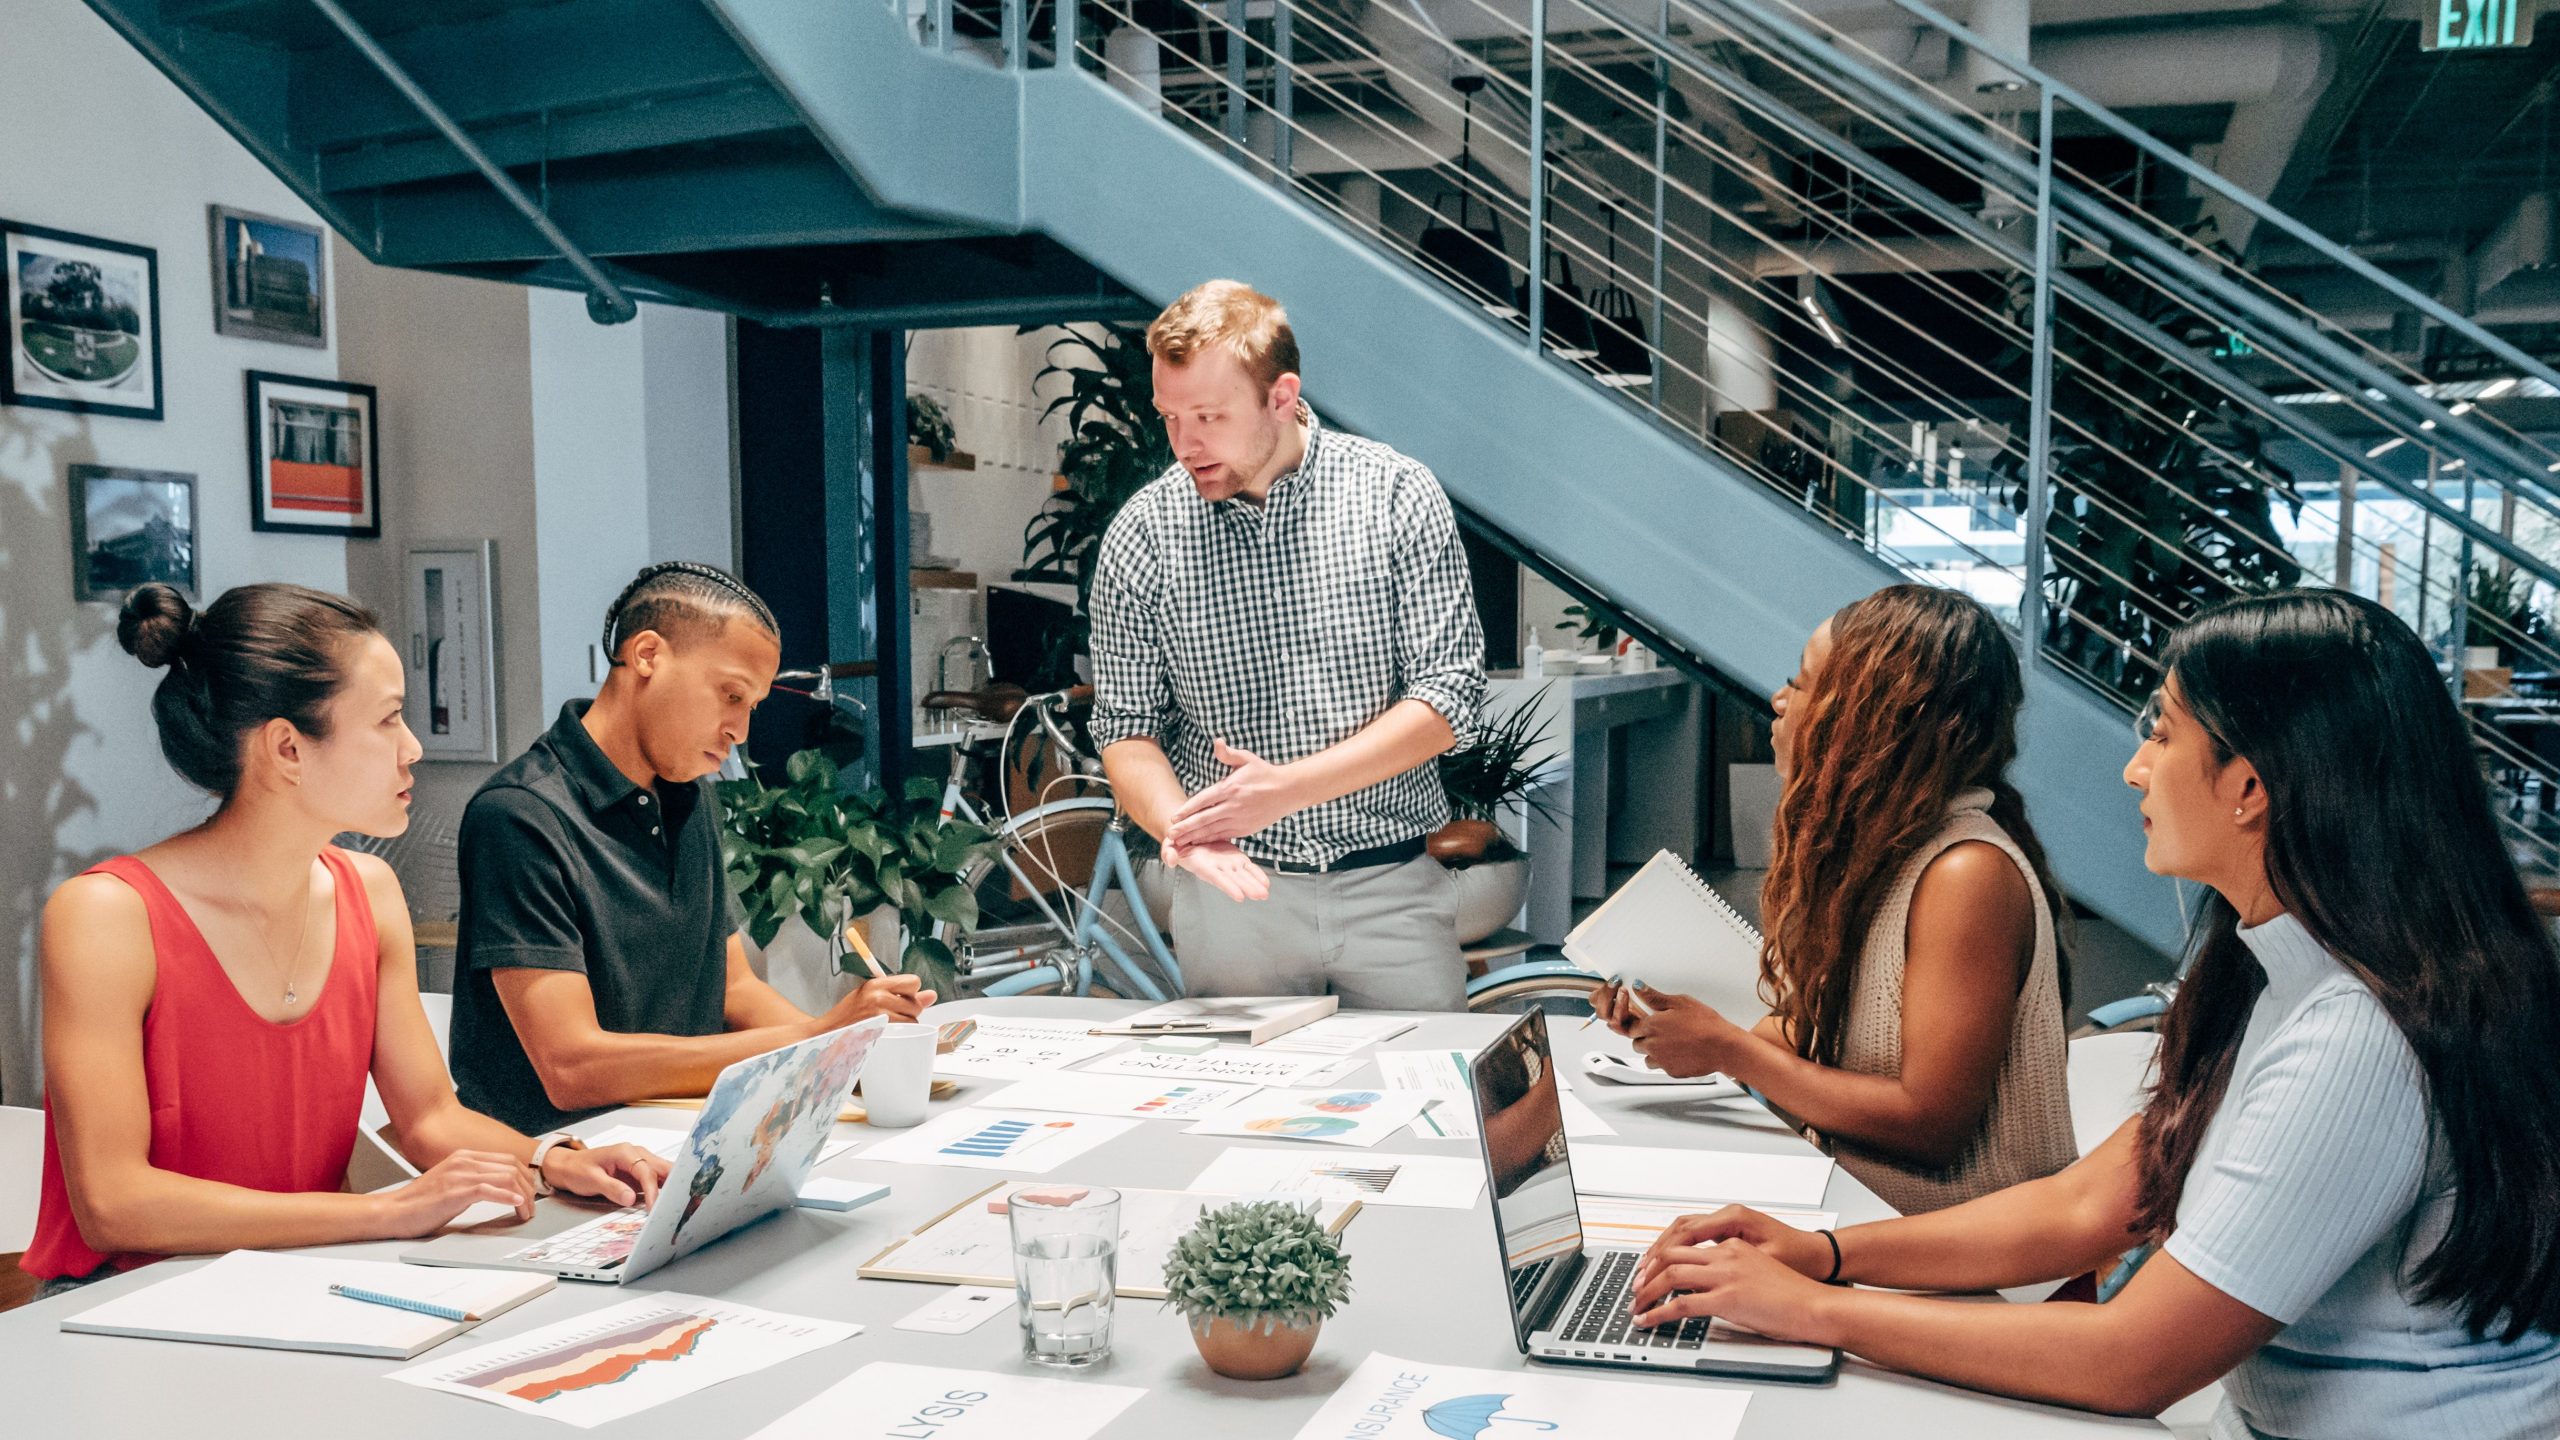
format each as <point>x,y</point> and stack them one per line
<point>542,1148</point>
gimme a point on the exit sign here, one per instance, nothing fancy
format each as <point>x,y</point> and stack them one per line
<point>2477,24</point>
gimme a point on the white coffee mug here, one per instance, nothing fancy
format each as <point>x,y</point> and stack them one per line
<point>898,1077</point>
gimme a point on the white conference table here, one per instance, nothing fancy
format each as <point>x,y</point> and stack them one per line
<point>1426,1286</point>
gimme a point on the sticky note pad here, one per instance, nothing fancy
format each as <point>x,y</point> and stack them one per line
<point>840,1194</point>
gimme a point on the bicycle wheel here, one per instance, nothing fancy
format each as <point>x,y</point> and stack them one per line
<point>1551,992</point>
<point>1026,909</point>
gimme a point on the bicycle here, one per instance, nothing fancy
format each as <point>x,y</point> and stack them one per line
<point>1048,884</point>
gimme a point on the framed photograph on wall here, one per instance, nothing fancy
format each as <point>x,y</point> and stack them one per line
<point>131,527</point>
<point>452,651</point>
<point>314,457</point>
<point>84,323</point>
<point>270,278</point>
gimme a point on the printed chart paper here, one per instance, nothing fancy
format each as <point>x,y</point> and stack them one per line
<point>1444,1074</point>
<point>1433,1182</point>
<point>1352,1115</point>
<point>1032,1142</point>
<point>1006,1047</point>
<point>1392,1399</point>
<point>970,1245</point>
<point>884,1399</point>
<point>1342,1034</point>
<point>1140,1097</point>
<point>1240,1064</point>
<point>1703,1178</point>
<point>1635,1224</point>
<point>626,1358</point>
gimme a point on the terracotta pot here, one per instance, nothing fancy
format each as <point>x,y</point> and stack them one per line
<point>1461,840</point>
<point>1258,1349</point>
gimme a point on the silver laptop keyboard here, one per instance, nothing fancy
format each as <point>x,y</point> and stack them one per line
<point>1601,1316</point>
<point>599,1244</point>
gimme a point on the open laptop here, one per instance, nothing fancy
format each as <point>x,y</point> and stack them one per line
<point>1568,1298</point>
<point>750,1151</point>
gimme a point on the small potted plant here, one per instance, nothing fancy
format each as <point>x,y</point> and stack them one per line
<point>1495,767</point>
<point>1257,1279</point>
<point>804,851</point>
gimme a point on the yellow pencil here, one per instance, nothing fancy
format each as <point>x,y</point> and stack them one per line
<point>853,932</point>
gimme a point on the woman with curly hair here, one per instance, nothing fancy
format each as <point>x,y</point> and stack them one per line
<point>1913,958</point>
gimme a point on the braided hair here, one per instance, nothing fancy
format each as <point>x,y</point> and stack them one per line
<point>675,593</point>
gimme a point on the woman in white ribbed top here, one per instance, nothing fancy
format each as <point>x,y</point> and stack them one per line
<point>1912,958</point>
<point>2344,1196</point>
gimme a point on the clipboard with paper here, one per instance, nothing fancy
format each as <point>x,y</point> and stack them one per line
<point>1671,930</point>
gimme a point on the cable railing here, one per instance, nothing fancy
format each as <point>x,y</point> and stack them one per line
<point>1937,323</point>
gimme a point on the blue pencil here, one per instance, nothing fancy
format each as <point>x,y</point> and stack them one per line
<point>402,1302</point>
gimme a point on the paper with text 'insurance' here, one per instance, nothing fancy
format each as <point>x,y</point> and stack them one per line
<point>623,1359</point>
<point>888,1401</point>
<point>1392,1399</point>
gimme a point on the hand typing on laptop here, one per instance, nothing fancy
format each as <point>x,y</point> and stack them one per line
<point>1739,1266</point>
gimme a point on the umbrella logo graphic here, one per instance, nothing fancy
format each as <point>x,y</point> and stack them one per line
<point>1472,1417</point>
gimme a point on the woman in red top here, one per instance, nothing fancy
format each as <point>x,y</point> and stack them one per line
<point>214,1003</point>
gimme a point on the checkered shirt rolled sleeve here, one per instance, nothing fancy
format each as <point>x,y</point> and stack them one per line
<point>1439,639</point>
<point>1132,687</point>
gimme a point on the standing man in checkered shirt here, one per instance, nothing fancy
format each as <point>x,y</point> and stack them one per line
<point>1284,640</point>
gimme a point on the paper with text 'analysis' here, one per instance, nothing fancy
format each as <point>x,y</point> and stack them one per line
<point>1392,1399</point>
<point>885,1400</point>
<point>626,1358</point>
<point>1030,1142</point>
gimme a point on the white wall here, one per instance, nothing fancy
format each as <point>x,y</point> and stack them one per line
<point>983,378</point>
<point>80,770</point>
<point>584,452</point>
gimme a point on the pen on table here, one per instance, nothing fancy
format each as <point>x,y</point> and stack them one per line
<point>1172,1025</point>
<point>401,1302</point>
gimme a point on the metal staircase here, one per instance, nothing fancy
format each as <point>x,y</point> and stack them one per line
<point>1839,310</point>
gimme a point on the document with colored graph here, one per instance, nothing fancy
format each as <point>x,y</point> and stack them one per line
<point>626,1358</point>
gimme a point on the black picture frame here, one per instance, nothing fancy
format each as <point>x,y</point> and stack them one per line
<point>270,277</point>
<point>298,493</point>
<point>36,346</point>
<point>153,517</point>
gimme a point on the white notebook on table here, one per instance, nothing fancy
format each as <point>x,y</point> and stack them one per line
<point>282,1302</point>
<point>1671,930</point>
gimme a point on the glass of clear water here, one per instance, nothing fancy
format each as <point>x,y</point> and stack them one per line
<point>1066,1244</point>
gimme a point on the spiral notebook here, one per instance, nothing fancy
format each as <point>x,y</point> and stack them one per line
<point>1671,930</point>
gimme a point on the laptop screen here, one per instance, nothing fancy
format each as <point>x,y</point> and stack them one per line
<point>1521,1121</point>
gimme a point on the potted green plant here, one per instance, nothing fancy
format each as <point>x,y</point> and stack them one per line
<point>1257,1279</point>
<point>929,427</point>
<point>1495,767</point>
<point>2500,615</point>
<point>1115,446</point>
<point>805,851</point>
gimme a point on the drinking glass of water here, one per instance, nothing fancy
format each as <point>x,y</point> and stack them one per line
<point>1066,1245</point>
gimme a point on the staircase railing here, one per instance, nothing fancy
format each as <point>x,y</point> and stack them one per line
<point>1976,327</point>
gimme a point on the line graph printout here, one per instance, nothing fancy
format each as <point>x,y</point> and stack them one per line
<point>625,1358</point>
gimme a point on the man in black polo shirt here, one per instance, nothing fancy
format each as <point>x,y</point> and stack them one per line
<point>600,956</point>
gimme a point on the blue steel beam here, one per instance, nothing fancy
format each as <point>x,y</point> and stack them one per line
<point>741,112</point>
<point>666,204</point>
<point>576,55</point>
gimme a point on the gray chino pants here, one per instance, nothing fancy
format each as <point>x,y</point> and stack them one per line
<point>1383,937</point>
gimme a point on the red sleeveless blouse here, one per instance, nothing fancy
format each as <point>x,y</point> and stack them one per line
<point>235,1097</point>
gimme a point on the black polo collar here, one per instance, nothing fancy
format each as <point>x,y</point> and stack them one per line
<point>598,783</point>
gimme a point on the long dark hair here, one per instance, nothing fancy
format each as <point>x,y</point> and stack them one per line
<point>257,653</point>
<point>2382,842</point>
<point>1918,702</point>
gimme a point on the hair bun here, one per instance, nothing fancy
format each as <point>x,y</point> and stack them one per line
<point>155,624</point>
